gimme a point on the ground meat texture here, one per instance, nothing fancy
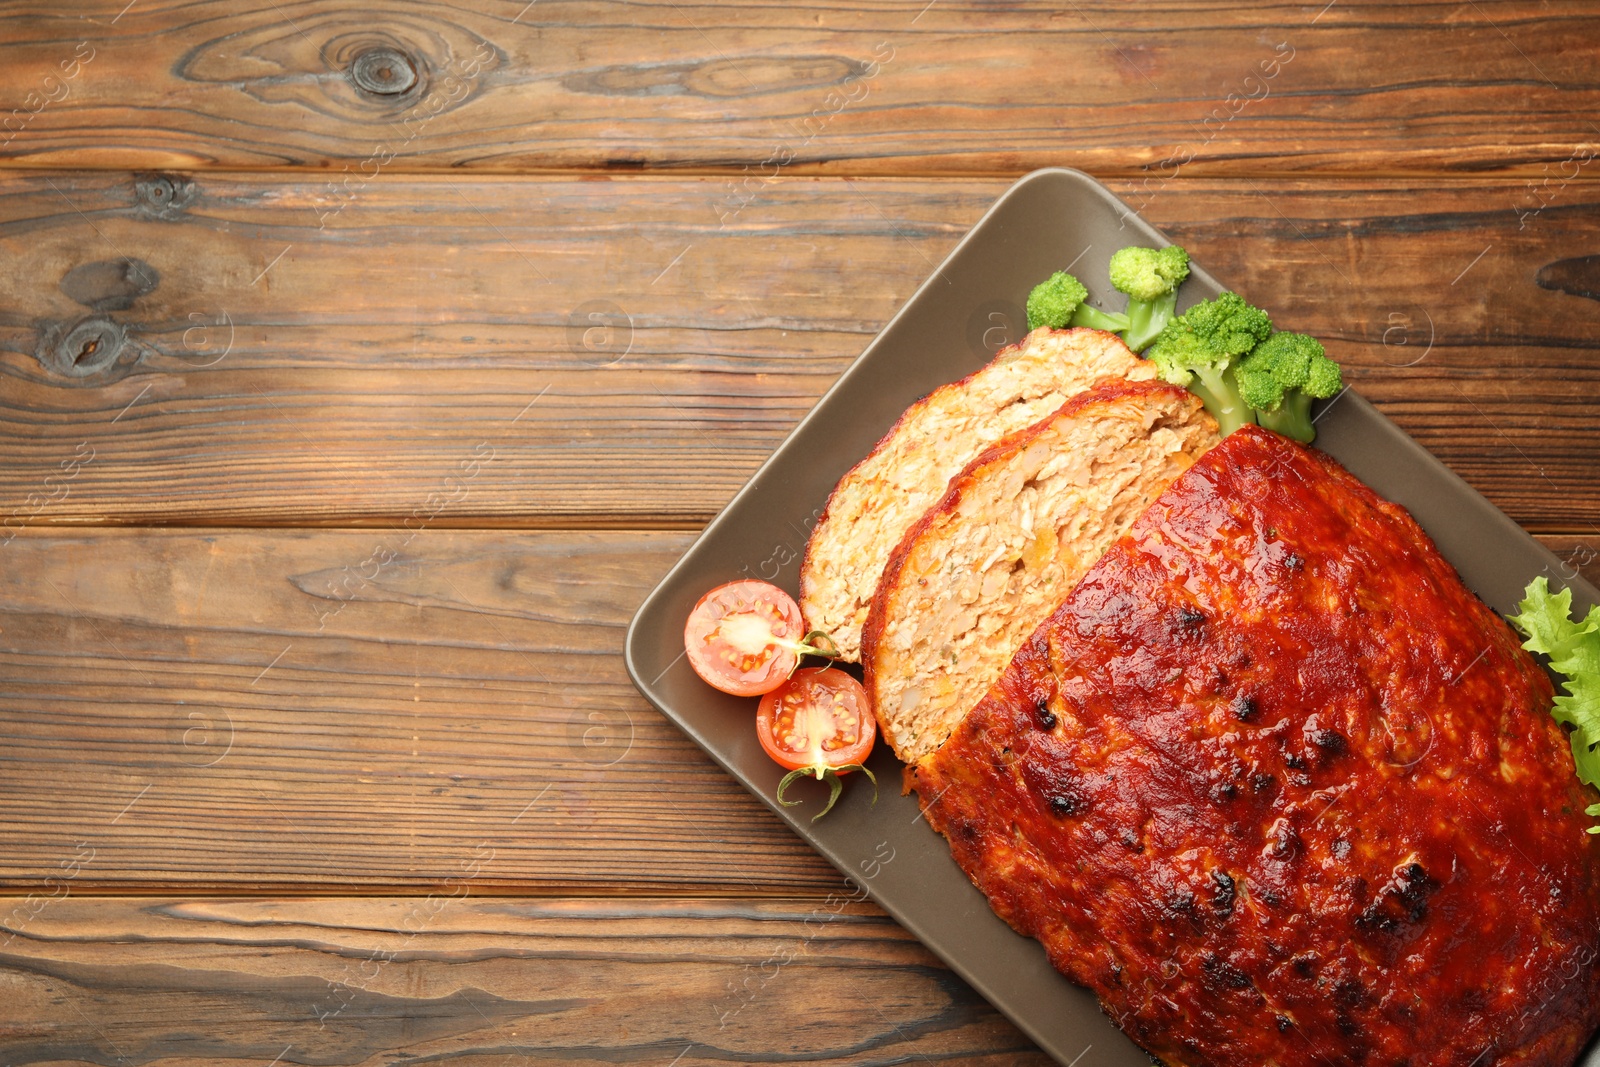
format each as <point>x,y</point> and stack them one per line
<point>1406,880</point>
<point>1011,536</point>
<point>907,472</point>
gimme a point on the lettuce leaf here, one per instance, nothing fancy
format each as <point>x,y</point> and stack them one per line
<point>1573,648</point>
<point>1546,619</point>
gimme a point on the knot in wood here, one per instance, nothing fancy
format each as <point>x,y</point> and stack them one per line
<point>1578,276</point>
<point>383,71</point>
<point>87,348</point>
<point>110,284</point>
<point>163,196</point>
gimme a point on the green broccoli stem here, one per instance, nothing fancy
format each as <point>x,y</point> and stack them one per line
<point>1096,319</point>
<point>1147,318</point>
<point>1218,391</point>
<point>1293,417</point>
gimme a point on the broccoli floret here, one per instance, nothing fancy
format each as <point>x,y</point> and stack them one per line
<point>1281,378</point>
<point>1058,301</point>
<point>1150,277</point>
<point>1199,348</point>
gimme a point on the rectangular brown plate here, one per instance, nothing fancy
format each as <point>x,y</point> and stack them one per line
<point>952,325</point>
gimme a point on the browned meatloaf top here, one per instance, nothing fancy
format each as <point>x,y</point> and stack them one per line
<point>1280,790</point>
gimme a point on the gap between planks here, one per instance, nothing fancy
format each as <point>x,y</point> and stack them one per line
<point>689,522</point>
<point>692,522</point>
<point>1195,172</point>
<point>83,887</point>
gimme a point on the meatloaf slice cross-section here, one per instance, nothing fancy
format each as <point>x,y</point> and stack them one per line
<point>1278,788</point>
<point>1010,538</point>
<point>880,497</point>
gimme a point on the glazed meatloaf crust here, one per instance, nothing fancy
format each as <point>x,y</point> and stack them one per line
<point>1010,538</point>
<point>879,498</point>
<point>1280,790</point>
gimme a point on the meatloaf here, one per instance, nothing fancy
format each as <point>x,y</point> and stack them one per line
<point>880,497</point>
<point>1280,790</point>
<point>1010,538</point>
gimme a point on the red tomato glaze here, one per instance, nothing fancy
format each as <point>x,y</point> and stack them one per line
<point>1278,788</point>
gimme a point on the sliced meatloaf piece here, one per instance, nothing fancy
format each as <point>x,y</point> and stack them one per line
<point>1278,788</point>
<point>879,498</point>
<point>1010,538</point>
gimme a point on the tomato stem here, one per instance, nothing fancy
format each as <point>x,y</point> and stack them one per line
<point>823,773</point>
<point>815,643</point>
<point>820,644</point>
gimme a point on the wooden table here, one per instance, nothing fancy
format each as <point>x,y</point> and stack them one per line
<point>363,367</point>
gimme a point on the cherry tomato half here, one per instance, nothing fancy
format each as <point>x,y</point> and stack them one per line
<point>819,726</point>
<point>744,637</point>
<point>819,720</point>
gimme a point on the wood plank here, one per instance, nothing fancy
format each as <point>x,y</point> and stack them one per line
<point>461,979</point>
<point>886,87</point>
<point>431,325</point>
<point>355,709</point>
<point>1579,555</point>
<point>351,374</point>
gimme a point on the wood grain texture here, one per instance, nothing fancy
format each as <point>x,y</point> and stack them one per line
<point>372,355</point>
<point>1579,555</point>
<point>465,980</point>
<point>887,87</point>
<point>355,709</point>
<point>611,353</point>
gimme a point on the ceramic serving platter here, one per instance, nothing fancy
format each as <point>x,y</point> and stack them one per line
<point>970,307</point>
